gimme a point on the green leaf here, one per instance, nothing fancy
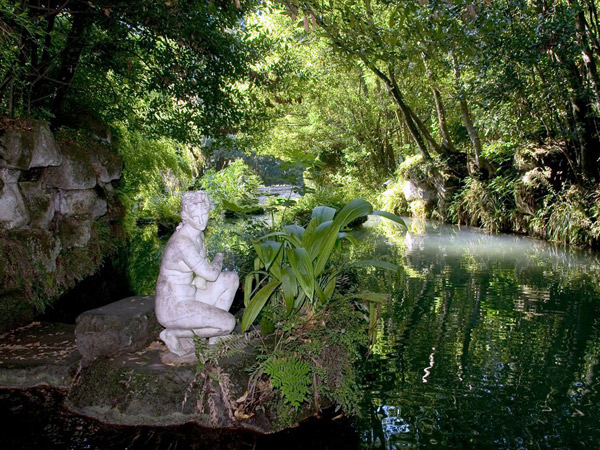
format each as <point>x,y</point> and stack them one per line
<point>314,241</point>
<point>353,210</point>
<point>270,235</point>
<point>289,285</point>
<point>248,281</point>
<point>267,326</point>
<point>270,253</point>
<point>257,303</point>
<point>299,300</point>
<point>322,214</point>
<point>303,268</point>
<point>320,294</point>
<point>296,234</point>
<point>329,288</point>
<point>291,376</point>
<point>348,236</point>
<point>390,216</point>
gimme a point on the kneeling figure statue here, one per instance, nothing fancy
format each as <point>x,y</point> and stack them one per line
<point>193,295</point>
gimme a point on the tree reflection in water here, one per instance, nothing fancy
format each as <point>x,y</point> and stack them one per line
<point>489,342</point>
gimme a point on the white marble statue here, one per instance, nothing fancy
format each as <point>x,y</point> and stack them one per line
<point>193,295</point>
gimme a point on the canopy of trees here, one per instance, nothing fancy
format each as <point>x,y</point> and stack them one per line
<point>479,91</point>
<point>524,69</point>
<point>170,66</point>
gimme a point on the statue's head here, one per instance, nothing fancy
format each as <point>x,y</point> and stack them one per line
<point>195,207</point>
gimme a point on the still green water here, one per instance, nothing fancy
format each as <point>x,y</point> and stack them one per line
<point>489,342</point>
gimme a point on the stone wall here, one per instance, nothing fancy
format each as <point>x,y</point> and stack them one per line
<point>58,212</point>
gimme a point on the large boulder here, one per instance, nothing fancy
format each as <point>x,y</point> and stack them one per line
<point>13,211</point>
<point>76,170</point>
<point>414,190</point>
<point>52,193</point>
<point>24,149</point>
<point>83,203</point>
<point>40,354</point>
<point>86,162</point>
<point>107,164</point>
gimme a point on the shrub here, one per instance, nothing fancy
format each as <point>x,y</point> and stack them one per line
<point>294,273</point>
<point>156,172</point>
<point>568,217</point>
<point>232,188</point>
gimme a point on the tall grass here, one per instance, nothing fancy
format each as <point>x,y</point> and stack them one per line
<point>488,205</point>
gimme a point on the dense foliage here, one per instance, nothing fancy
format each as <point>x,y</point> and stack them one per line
<point>499,99</point>
<point>172,68</point>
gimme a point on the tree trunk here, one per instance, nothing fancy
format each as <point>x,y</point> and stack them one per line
<point>466,113</point>
<point>585,125</point>
<point>587,56</point>
<point>42,69</point>
<point>406,112</point>
<point>447,144</point>
<point>70,58</point>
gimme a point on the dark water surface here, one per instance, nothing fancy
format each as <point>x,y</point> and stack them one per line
<point>488,342</point>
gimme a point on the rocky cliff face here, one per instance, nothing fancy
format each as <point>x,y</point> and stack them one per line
<point>58,212</point>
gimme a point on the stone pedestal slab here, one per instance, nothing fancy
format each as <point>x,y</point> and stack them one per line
<point>128,325</point>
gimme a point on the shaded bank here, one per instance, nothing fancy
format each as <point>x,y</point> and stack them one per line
<point>36,418</point>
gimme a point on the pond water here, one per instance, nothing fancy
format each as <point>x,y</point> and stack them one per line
<point>487,342</point>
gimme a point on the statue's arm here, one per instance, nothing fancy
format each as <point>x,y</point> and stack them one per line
<point>196,260</point>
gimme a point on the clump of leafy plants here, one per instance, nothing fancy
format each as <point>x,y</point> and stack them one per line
<point>568,217</point>
<point>297,290</point>
<point>393,199</point>
<point>307,365</point>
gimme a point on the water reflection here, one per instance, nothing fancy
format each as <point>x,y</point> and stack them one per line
<point>490,342</point>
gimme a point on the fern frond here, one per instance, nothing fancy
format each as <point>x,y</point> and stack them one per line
<point>291,376</point>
